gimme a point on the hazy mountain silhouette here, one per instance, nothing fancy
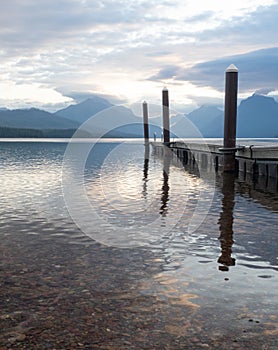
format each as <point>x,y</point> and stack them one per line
<point>117,121</point>
<point>205,121</point>
<point>257,117</point>
<point>34,118</point>
<point>84,110</point>
<point>108,119</point>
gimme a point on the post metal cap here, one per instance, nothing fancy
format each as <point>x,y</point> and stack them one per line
<point>165,88</point>
<point>231,68</point>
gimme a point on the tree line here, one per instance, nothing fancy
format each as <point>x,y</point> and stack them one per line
<point>7,132</point>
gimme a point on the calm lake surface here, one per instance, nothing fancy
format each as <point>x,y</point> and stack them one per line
<point>135,252</point>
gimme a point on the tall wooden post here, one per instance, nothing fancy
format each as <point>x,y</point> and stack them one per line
<point>165,113</point>
<point>230,118</point>
<point>146,121</point>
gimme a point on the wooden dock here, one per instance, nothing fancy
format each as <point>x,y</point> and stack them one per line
<point>258,158</point>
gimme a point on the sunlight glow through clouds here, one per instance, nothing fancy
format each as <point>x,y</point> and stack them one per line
<point>31,93</point>
<point>129,48</point>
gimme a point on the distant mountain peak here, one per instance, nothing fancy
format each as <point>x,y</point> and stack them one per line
<point>82,111</point>
<point>208,107</point>
<point>257,117</point>
<point>257,95</point>
<point>259,99</point>
<point>95,99</point>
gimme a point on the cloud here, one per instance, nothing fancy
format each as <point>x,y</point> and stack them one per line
<point>264,91</point>
<point>32,23</point>
<point>203,16</point>
<point>40,25</point>
<point>79,96</point>
<point>107,46</point>
<point>257,69</point>
<point>167,72</point>
<point>258,27</point>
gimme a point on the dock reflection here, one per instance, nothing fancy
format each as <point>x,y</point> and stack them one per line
<point>146,171</point>
<point>226,222</point>
<point>165,186</point>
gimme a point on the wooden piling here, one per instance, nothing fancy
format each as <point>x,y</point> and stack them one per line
<point>146,121</point>
<point>165,113</point>
<point>230,118</point>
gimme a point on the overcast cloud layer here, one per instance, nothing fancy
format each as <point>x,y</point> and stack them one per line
<point>55,53</point>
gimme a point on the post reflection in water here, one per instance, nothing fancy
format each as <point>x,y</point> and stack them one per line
<point>165,186</point>
<point>226,222</point>
<point>146,170</point>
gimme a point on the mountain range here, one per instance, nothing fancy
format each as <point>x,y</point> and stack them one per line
<point>257,117</point>
<point>84,110</point>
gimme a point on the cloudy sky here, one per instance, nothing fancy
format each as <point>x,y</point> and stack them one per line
<point>55,53</point>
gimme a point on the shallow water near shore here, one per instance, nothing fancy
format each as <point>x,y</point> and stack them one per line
<point>170,258</point>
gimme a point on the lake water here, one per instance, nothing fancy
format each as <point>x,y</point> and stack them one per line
<point>115,247</point>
